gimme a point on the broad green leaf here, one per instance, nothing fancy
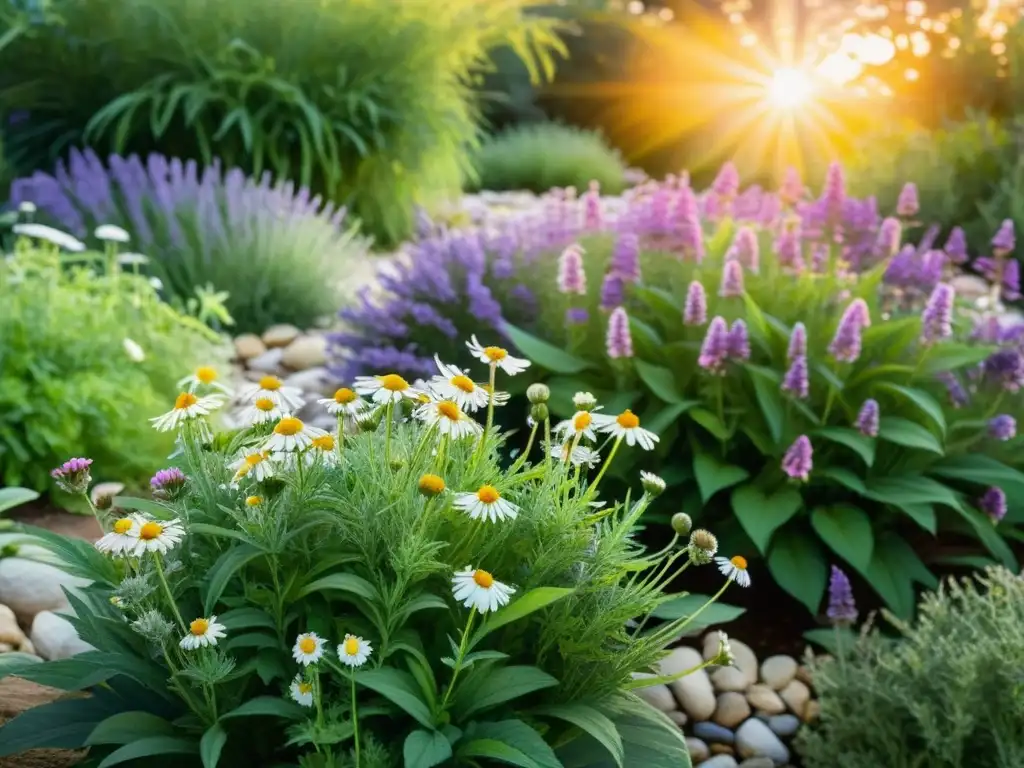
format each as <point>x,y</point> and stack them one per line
<point>505,684</point>
<point>246,618</point>
<point>212,744</point>
<point>711,423</point>
<point>714,476</point>
<point>798,565</point>
<point>755,318</point>
<point>908,434</point>
<point>847,530</point>
<point>544,354</point>
<point>647,342</point>
<point>863,446</point>
<point>344,582</point>
<point>125,727</point>
<point>833,381</point>
<point>922,514</point>
<point>836,640</point>
<point>911,489</point>
<point>661,381</point>
<point>890,575</point>
<point>688,605</point>
<point>521,607</point>
<point>14,497</point>
<point>668,415</point>
<point>219,532</point>
<point>154,508</point>
<point>533,751</point>
<point>951,356</point>
<point>966,561</point>
<point>150,747</point>
<point>250,640</point>
<point>400,689</point>
<point>923,401</point>
<point>989,536</point>
<point>227,565</point>
<point>976,468</point>
<point>845,478</point>
<point>61,724</point>
<point>73,674</point>
<point>495,750</point>
<point>769,398</point>
<point>424,602</point>
<point>266,705</point>
<point>12,662</point>
<point>762,514</point>
<point>425,749</point>
<point>592,722</point>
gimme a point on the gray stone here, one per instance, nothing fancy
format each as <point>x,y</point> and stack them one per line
<point>720,761</point>
<point>658,696</point>
<point>315,380</point>
<point>698,749</point>
<point>268,362</point>
<point>694,691</point>
<point>10,632</point>
<point>722,749</point>
<point>305,352</point>
<point>248,346</point>
<point>731,710</point>
<point>729,679</point>
<point>746,660</point>
<point>755,739</point>
<point>765,699</point>
<point>713,733</point>
<point>758,762</point>
<point>280,335</point>
<point>796,695</point>
<point>784,725</point>
<point>28,587</point>
<point>105,489</point>
<point>677,717</point>
<point>55,638</point>
<point>778,671</point>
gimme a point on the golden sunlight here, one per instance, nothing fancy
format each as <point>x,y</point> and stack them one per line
<point>790,88</point>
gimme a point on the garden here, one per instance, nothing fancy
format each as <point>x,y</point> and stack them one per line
<point>592,384</point>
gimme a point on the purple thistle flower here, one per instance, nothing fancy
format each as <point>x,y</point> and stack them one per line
<point>167,483</point>
<point>625,261</point>
<point>890,232</point>
<point>739,341</point>
<point>1002,427</point>
<point>867,419</point>
<point>592,216</point>
<point>576,316</point>
<point>993,503</point>
<point>1005,240</point>
<point>956,246</point>
<point>908,204</point>
<point>695,309</point>
<point>746,249</point>
<point>833,196</point>
<point>799,459</point>
<point>618,342</point>
<point>727,183</point>
<point>732,280</point>
<point>715,348</point>
<point>73,476</point>
<point>937,317</point>
<point>842,610</point>
<point>796,381</point>
<point>571,277</point>
<point>613,291</point>
<point>846,344</point>
<point>690,231</point>
<point>797,343</point>
<point>792,187</point>
<point>1004,271</point>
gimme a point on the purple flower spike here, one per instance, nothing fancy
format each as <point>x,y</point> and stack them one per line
<point>1003,427</point>
<point>715,349</point>
<point>796,382</point>
<point>1005,239</point>
<point>73,476</point>
<point>842,610</point>
<point>958,396</point>
<point>799,459</point>
<point>867,419</point>
<point>695,310</point>
<point>1011,280</point>
<point>789,250</point>
<point>727,183</point>
<point>732,280</point>
<point>167,483</point>
<point>834,194</point>
<point>819,258</point>
<point>993,503</point>
<point>739,341</point>
<point>618,342</point>
<point>576,316</point>
<point>571,277</point>
<point>613,291</point>
<point>797,343</point>
<point>890,232</point>
<point>592,217</point>
<point>746,249</point>
<point>907,204</point>
<point>690,231</point>
<point>937,317</point>
<point>1005,368</point>
<point>846,344</point>
<point>625,260</point>
<point>956,246</point>
<point>792,187</point>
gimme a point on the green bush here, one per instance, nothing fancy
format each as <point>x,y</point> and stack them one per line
<point>368,102</point>
<point>539,157</point>
<point>945,694</point>
<point>71,383</point>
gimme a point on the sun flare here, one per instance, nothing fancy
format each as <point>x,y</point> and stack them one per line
<point>790,88</point>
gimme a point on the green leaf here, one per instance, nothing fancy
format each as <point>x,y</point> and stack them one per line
<point>890,574</point>
<point>911,489</point>
<point>212,744</point>
<point>61,724</point>
<point>153,508</point>
<point>668,415</point>
<point>711,423</point>
<point>592,722</point>
<point>798,565</point>
<point>126,727</point>
<point>150,747</point>
<point>847,530</point>
<point>661,381</point>
<point>400,689</point>
<point>988,535</point>
<point>218,532</point>
<point>14,497</point>
<point>852,439</point>
<point>688,605</point>
<point>495,750</point>
<point>908,434</point>
<point>833,381</point>
<point>227,565</point>
<point>924,402</point>
<point>544,354</point>
<point>425,749</point>
<point>528,747</point>
<point>714,476</point>
<point>769,398</point>
<point>761,514</point>
<point>922,514</point>
<point>11,663</point>
<point>755,318</point>
<point>845,478</point>
<point>976,468</point>
<point>951,356</point>
<point>246,618</point>
<point>266,705</point>
<point>345,582</point>
<point>836,640</point>
<point>505,684</point>
<point>528,603</point>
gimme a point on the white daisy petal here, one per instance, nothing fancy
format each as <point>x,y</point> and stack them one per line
<point>478,589</point>
<point>122,537</point>
<point>734,569</point>
<point>486,504</point>
<point>449,418</point>
<point>354,651</point>
<point>345,402</point>
<point>154,535</point>
<point>390,388</point>
<point>301,692</point>
<point>627,426</point>
<point>288,398</point>
<point>202,633</point>
<point>497,356</point>
<point>308,649</point>
<point>291,434</point>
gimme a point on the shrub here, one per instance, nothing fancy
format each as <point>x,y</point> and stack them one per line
<point>539,157</point>
<point>946,693</point>
<point>322,568</point>
<point>716,353</point>
<point>84,360</point>
<point>279,254</point>
<point>367,102</point>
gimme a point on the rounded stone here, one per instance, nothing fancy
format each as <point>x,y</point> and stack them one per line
<point>731,710</point>
<point>10,632</point>
<point>677,717</point>
<point>314,380</point>
<point>811,711</point>
<point>268,362</point>
<point>729,679</point>
<point>746,660</point>
<point>720,761</point>
<point>280,335</point>
<point>249,345</point>
<point>796,695</point>
<point>55,638</point>
<point>758,762</point>
<point>698,749</point>
<point>778,671</point>
<point>765,699</point>
<point>713,733</point>
<point>784,725</point>
<point>755,739</point>
<point>722,749</point>
<point>658,696</point>
<point>28,587</point>
<point>305,352</point>
<point>694,691</point>
<point>803,674</point>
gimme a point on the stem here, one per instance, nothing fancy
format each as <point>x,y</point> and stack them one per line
<point>317,697</point>
<point>490,414</point>
<point>167,590</point>
<point>608,463</point>
<point>547,442</point>
<point>341,431</point>
<point>458,662</point>
<point>95,512</point>
<point>720,397</point>
<point>355,716</point>
<point>211,700</point>
<point>388,411</point>
<point>526,451</point>
<point>672,629</point>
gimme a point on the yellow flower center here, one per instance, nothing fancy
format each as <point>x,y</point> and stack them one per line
<point>344,396</point>
<point>305,687</point>
<point>307,645</point>
<point>739,562</point>
<point>270,383</point>
<point>185,400</point>
<point>205,374</point>
<point>265,404</point>
<point>431,485</point>
<point>253,459</point>
<point>393,383</point>
<point>253,501</point>
<point>199,627</point>
<point>628,420</point>
<point>351,646</point>
<point>581,421</point>
<point>463,382</point>
<point>483,579</point>
<point>288,426</point>
<point>150,531</point>
<point>122,526</point>
<point>488,494</point>
<point>324,443</point>
<point>449,410</point>
<point>494,354</point>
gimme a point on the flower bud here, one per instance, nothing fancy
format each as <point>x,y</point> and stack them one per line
<point>682,524</point>
<point>724,656</point>
<point>104,501</point>
<point>9,550</point>
<point>584,401</point>
<point>538,393</point>
<point>397,462</point>
<point>431,485</point>
<point>253,501</point>
<point>539,412</point>
<point>703,546</point>
<point>652,484</point>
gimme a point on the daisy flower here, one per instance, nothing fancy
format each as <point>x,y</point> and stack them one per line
<point>256,465</point>
<point>627,425</point>
<point>50,235</point>
<point>187,406</point>
<point>324,448</point>
<point>390,388</point>
<point>309,647</point>
<point>262,411</point>
<point>202,633</point>
<point>497,356</point>
<point>253,501</point>
<point>302,692</point>
<point>120,539</point>
<point>453,384</point>
<point>734,569</point>
<point>486,504</point>
<point>354,651</point>
<point>345,402</point>
<point>449,419</point>
<point>203,376</point>
<point>291,434</point>
<point>155,536</point>
<point>581,456</point>
<point>111,233</point>
<point>289,398</point>
<point>581,423</point>
<point>479,589</point>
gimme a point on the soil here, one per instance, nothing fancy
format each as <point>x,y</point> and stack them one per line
<point>41,514</point>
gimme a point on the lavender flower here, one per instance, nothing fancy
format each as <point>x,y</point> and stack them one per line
<point>846,344</point>
<point>732,280</point>
<point>819,258</point>
<point>799,459</point>
<point>937,317</point>
<point>739,341</point>
<point>834,194</point>
<point>1011,280</point>
<point>842,610</point>
<point>907,204</point>
<point>571,277</point>
<point>1002,427</point>
<point>690,231</point>
<point>625,261</point>
<point>695,310</point>
<point>889,235</point>
<point>613,291</point>
<point>746,250</point>
<point>1005,240</point>
<point>167,483</point>
<point>789,249</point>
<point>715,348</point>
<point>1005,368</point>
<point>867,419</point>
<point>592,216</point>
<point>956,246</point>
<point>797,343</point>
<point>618,342</point>
<point>576,316</point>
<point>73,476</point>
<point>993,503</point>
<point>958,396</point>
<point>792,188</point>
<point>727,183</point>
<point>796,381</point>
